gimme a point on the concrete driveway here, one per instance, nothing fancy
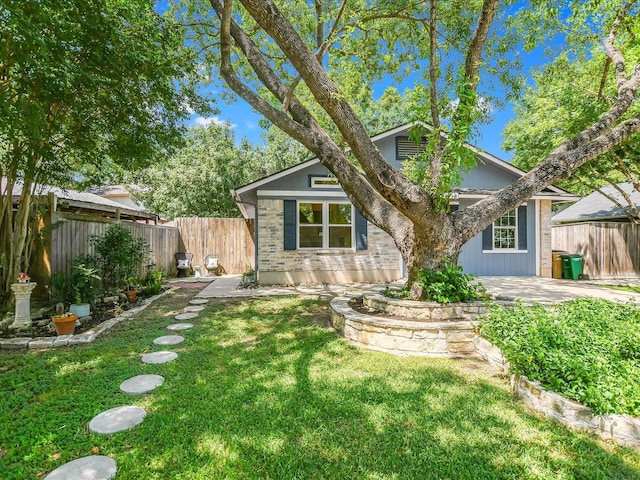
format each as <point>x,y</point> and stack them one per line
<point>549,290</point>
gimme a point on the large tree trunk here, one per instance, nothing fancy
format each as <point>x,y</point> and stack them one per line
<point>428,245</point>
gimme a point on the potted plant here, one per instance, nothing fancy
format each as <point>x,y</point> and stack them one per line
<point>84,279</point>
<point>65,323</point>
<point>249,275</point>
<point>131,291</point>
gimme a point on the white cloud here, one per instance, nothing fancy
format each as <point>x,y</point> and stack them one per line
<point>203,121</point>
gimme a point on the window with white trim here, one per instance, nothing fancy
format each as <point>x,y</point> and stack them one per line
<point>505,231</point>
<point>325,225</point>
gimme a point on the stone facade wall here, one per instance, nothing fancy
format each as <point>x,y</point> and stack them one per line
<point>544,224</point>
<point>380,262</point>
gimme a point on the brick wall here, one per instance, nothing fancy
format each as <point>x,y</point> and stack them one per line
<point>380,262</point>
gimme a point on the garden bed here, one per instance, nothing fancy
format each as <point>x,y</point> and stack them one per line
<point>103,317</point>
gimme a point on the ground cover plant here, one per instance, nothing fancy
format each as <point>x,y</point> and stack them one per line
<point>264,389</point>
<point>587,350</point>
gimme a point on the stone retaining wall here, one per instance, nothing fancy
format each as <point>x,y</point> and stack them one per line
<point>623,429</point>
<point>437,339</point>
<point>426,310</point>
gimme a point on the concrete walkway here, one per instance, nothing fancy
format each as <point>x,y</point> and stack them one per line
<point>228,286</point>
<point>549,290</point>
<point>527,289</point>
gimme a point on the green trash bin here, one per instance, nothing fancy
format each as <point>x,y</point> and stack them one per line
<point>571,266</point>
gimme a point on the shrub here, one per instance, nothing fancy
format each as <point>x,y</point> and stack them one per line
<point>120,255</point>
<point>154,281</point>
<point>587,350</point>
<point>449,285</point>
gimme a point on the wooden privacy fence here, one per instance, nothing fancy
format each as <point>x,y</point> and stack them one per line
<point>610,249</point>
<point>230,238</point>
<point>67,235</point>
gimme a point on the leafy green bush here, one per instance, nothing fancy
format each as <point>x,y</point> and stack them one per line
<point>449,285</point>
<point>120,255</point>
<point>587,350</point>
<point>154,281</point>
<point>81,286</point>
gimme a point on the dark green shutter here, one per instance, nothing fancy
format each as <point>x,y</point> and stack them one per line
<point>522,228</point>
<point>290,212</point>
<point>487,238</point>
<point>361,232</point>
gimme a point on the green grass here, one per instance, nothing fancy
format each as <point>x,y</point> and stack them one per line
<point>625,288</point>
<point>261,389</point>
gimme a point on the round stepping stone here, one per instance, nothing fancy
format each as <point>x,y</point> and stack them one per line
<point>194,308</point>
<point>93,467</point>
<point>117,419</point>
<point>186,316</point>
<point>141,384</point>
<point>159,357</point>
<point>180,326</point>
<point>169,340</point>
<point>198,301</point>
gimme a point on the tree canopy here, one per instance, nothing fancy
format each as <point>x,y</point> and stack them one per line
<point>568,95</point>
<point>302,64</point>
<point>197,179</point>
<point>86,87</point>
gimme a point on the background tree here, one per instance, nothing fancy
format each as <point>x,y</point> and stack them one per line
<point>197,178</point>
<point>85,85</point>
<point>299,63</point>
<point>566,97</point>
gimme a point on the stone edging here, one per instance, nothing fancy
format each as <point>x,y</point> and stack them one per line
<point>405,337</point>
<point>82,338</point>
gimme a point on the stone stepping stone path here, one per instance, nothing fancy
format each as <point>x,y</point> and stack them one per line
<point>159,357</point>
<point>93,467</point>
<point>141,384</point>
<point>169,340</point>
<point>194,308</point>
<point>100,467</point>
<point>117,419</point>
<point>179,326</point>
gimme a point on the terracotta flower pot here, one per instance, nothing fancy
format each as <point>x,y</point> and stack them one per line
<point>65,325</point>
<point>131,294</point>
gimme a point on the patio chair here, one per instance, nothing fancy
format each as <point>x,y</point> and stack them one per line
<point>183,263</point>
<point>212,263</point>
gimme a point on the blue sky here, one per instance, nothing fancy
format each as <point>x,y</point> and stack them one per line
<point>245,123</point>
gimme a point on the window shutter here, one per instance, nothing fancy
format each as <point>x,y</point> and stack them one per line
<point>361,232</point>
<point>522,228</point>
<point>487,238</point>
<point>290,237</point>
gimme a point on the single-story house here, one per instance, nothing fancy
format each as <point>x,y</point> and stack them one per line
<point>596,207</point>
<point>308,231</point>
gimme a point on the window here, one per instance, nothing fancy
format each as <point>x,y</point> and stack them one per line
<point>505,231</point>
<point>325,225</point>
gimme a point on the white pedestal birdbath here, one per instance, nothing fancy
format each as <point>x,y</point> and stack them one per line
<point>22,294</point>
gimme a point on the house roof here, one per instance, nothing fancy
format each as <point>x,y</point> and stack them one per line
<point>551,192</point>
<point>598,207</point>
<point>71,199</point>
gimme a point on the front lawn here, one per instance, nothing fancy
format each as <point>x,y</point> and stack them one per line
<point>263,389</point>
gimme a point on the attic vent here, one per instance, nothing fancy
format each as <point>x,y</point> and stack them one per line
<point>405,148</point>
